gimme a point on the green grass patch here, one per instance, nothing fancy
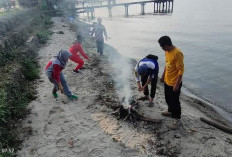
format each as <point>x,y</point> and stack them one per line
<point>10,12</point>
<point>43,36</point>
<point>44,33</point>
<point>47,21</point>
<point>7,154</point>
<point>4,109</point>
<point>7,138</point>
<point>30,69</point>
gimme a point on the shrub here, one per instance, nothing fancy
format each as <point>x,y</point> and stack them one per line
<point>47,21</point>
<point>30,68</point>
<point>4,109</point>
<point>6,137</point>
<point>43,36</point>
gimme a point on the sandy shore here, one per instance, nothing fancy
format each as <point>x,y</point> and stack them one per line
<point>86,127</point>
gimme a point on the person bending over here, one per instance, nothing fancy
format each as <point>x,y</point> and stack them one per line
<point>77,51</point>
<point>147,69</point>
<point>55,75</point>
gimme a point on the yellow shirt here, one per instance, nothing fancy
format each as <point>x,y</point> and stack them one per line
<point>174,66</point>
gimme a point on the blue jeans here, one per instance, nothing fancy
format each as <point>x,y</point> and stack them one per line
<point>100,46</point>
<point>63,82</point>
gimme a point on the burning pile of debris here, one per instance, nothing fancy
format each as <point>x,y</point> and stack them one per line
<point>129,110</point>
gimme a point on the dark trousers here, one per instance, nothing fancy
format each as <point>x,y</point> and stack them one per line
<point>173,100</point>
<point>100,46</point>
<point>153,85</point>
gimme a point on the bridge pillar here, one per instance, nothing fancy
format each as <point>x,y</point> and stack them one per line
<point>88,10</point>
<point>166,6</point>
<point>109,8</point>
<point>110,11</point>
<point>154,7</point>
<point>126,11</point>
<point>157,7</point>
<point>172,6</point>
<point>163,7</point>
<point>92,15</point>
<point>142,8</point>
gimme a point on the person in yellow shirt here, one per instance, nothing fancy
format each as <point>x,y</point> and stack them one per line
<point>172,76</point>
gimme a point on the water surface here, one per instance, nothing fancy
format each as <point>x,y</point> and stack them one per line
<point>202,29</point>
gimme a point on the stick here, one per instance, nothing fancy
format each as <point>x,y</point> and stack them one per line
<point>136,111</point>
<point>217,125</point>
<point>126,117</point>
<point>115,112</point>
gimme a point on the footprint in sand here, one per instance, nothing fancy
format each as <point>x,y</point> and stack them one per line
<point>95,152</point>
<point>56,109</point>
<point>61,142</point>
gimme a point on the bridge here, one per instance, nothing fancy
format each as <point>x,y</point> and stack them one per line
<point>160,6</point>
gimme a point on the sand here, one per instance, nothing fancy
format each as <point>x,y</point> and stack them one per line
<point>86,127</point>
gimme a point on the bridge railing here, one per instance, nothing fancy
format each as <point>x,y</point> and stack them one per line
<point>160,6</point>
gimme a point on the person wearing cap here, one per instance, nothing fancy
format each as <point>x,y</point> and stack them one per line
<point>99,30</point>
<point>55,75</point>
<point>147,69</point>
<point>172,77</point>
<point>77,51</point>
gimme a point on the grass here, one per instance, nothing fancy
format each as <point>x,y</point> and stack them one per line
<point>5,113</point>
<point>43,36</point>
<point>44,33</point>
<point>47,21</point>
<point>30,69</point>
<point>10,12</point>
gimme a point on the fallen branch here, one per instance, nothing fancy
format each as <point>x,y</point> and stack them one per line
<point>144,118</point>
<point>217,125</point>
<point>124,112</point>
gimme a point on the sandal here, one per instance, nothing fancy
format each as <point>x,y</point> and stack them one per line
<point>151,104</point>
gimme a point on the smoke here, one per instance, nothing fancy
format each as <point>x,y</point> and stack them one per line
<point>122,71</point>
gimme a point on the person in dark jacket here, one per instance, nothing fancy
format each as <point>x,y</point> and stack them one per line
<point>99,30</point>
<point>147,69</point>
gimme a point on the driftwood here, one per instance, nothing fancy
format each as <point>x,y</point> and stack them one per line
<point>125,112</point>
<point>217,125</point>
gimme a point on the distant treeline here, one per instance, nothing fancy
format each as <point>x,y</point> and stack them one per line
<point>28,3</point>
<point>7,3</point>
<point>23,3</point>
<point>47,4</point>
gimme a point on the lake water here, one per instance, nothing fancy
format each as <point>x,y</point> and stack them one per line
<point>202,29</point>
